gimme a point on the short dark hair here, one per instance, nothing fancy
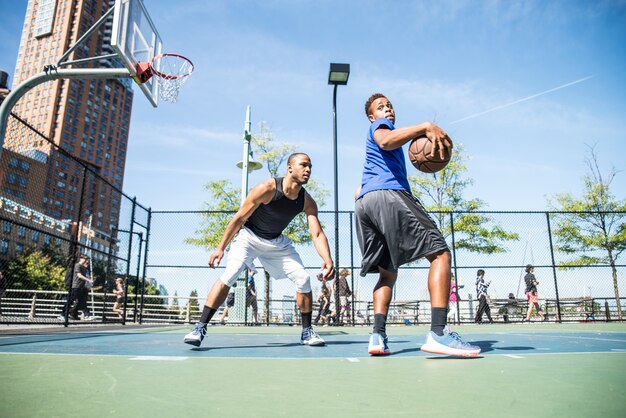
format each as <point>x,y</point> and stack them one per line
<point>480,272</point>
<point>529,267</point>
<point>369,102</point>
<point>294,155</point>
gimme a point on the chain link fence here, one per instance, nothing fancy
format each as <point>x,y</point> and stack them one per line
<point>56,206</point>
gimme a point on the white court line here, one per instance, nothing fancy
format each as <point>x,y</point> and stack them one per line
<point>512,356</point>
<point>159,358</point>
<point>353,360</point>
<point>570,337</point>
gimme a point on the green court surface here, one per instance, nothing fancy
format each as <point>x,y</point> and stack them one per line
<point>539,370</point>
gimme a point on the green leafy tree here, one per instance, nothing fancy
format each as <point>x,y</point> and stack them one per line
<point>443,192</point>
<point>225,198</point>
<point>36,270</point>
<point>594,231</point>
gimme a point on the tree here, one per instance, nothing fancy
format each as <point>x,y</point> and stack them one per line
<point>216,213</point>
<point>594,230</point>
<point>442,193</point>
<point>225,198</point>
<point>36,270</point>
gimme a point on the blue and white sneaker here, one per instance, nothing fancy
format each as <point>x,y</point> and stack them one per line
<point>450,343</point>
<point>310,337</point>
<point>378,345</point>
<point>196,335</point>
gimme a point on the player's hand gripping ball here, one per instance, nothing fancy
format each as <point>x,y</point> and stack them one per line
<point>419,154</point>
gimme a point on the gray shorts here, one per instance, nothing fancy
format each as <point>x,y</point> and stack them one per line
<point>393,229</point>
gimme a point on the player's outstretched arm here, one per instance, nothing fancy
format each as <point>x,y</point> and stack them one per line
<point>317,235</point>
<point>391,139</point>
<point>261,193</point>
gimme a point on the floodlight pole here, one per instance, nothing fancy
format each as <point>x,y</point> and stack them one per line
<point>246,156</point>
<point>338,75</point>
<point>51,73</point>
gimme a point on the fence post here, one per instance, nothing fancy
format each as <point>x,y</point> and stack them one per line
<point>107,273</point>
<point>33,307</point>
<point>130,249</point>
<point>267,297</point>
<point>556,283</point>
<point>458,309</point>
<point>188,312</point>
<point>137,275</point>
<point>352,272</point>
<point>145,264</point>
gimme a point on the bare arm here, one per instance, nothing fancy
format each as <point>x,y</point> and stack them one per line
<point>317,235</point>
<point>391,139</point>
<point>262,193</point>
<point>83,277</point>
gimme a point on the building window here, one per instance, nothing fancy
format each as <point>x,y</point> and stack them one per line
<point>45,17</point>
<point>4,246</point>
<point>19,248</point>
<point>6,227</point>
<point>21,231</point>
<point>35,236</point>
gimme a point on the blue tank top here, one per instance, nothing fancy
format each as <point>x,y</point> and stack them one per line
<point>383,170</point>
<point>269,221</point>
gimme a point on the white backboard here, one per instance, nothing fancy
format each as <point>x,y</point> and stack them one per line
<point>135,39</point>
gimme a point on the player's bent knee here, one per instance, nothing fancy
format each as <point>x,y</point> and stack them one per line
<point>302,280</point>
<point>231,273</point>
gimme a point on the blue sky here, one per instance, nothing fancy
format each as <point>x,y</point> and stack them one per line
<point>441,61</point>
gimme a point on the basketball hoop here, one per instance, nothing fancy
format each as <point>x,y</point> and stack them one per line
<point>171,72</point>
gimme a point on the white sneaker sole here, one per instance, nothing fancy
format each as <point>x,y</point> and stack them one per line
<point>193,342</point>
<point>378,352</point>
<point>317,343</point>
<point>447,351</point>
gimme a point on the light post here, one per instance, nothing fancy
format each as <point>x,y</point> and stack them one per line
<point>247,164</point>
<point>337,76</point>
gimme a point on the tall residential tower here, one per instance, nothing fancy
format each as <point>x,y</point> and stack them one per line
<point>89,119</point>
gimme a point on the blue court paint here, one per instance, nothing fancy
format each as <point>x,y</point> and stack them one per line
<point>156,345</point>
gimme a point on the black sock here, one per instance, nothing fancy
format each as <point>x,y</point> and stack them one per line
<point>207,314</point>
<point>380,324</point>
<point>438,320</point>
<point>306,319</point>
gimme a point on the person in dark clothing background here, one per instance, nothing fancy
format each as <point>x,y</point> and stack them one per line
<point>481,294</point>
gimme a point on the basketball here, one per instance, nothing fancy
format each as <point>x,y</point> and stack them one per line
<point>419,154</point>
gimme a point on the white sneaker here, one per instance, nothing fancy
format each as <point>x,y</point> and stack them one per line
<point>310,337</point>
<point>196,335</point>
<point>378,345</point>
<point>450,343</point>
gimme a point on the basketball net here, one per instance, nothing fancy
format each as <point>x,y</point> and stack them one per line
<point>171,72</point>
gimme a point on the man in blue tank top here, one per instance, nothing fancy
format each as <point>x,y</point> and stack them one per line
<point>393,228</point>
<point>256,232</point>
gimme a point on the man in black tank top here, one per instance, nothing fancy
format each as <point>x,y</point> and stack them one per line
<point>256,232</point>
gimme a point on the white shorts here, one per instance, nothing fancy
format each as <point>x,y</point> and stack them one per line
<point>278,256</point>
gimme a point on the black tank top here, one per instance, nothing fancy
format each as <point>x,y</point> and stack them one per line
<point>269,221</point>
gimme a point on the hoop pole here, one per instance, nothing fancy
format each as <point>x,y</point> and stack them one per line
<point>50,74</point>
